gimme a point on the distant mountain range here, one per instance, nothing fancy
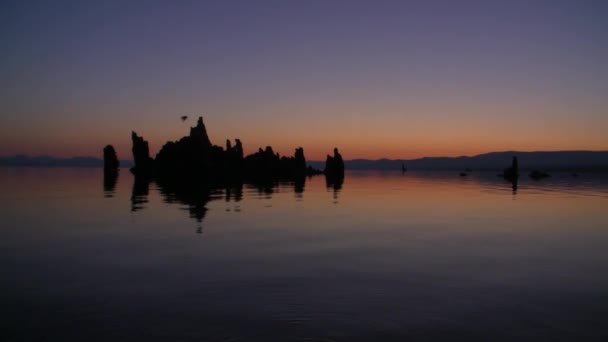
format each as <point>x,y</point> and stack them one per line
<point>47,161</point>
<point>554,160</point>
<point>550,161</point>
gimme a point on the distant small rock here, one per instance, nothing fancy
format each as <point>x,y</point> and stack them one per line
<point>536,174</point>
<point>512,173</point>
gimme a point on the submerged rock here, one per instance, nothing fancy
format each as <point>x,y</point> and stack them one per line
<point>536,175</point>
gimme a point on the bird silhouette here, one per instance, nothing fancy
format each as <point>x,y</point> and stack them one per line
<point>184,117</point>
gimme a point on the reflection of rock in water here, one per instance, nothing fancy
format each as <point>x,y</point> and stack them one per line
<point>196,194</point>
<point>110,178</point>
<point>298,185</point>
<point>334,183</point>
<point>139,194</point>
<point>234,192</point>
<point>264,186</point>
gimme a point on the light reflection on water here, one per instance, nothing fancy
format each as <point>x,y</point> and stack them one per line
<point>383,256</point>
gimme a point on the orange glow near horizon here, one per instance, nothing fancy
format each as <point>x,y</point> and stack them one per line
<point>355,140</point>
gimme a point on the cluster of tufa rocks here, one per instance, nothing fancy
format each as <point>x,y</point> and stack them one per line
<point>512,173</point>
<point>195,155</point>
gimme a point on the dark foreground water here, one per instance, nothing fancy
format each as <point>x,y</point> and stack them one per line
<point>414,257</point>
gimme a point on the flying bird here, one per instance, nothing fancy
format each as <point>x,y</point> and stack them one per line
<point>184,118</point>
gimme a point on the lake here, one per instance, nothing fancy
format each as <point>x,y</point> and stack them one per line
<point>384,256</point>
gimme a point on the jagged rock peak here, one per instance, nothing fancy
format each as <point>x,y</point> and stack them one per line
<point>199,132</point>
<point>141,152</point>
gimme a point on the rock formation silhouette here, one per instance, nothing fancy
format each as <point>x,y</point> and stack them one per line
<point>512,172</point>
<point>334,172</point>
<point>110,161</point>
<point>195,156</point>
<point>110,170</point>
<point>191,155</point>
<point>334,166</point>
<point>144,165</point>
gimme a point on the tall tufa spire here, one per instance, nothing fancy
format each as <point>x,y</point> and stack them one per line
<point>199,132</point>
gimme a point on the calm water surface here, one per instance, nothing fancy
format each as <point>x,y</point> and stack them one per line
<point>384,256</point>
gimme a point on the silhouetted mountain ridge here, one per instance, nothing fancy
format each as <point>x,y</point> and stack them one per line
<point>48,161</point>
<point>546,160</point>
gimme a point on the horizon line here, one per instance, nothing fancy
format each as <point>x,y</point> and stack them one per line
<point>353,159</point>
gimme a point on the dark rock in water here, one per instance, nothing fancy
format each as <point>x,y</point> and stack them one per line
<point>110,170</point>
<point>334,166</point>
<point>110,160</point>
<point>266,163</point>
<point>194,156</point>
<point>463,174</point>
<point>310,171</point>
<point>334,171</point>
<point>141,155</point>
<point>512,172</point>
<point>191,155</point>
<point>233,161</point>
<point>575,175</point>
<point>536,174</point>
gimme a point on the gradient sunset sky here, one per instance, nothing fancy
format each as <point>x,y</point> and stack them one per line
<point>395,79</point>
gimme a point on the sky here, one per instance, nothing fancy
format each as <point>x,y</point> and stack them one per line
<point>377,79</point>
